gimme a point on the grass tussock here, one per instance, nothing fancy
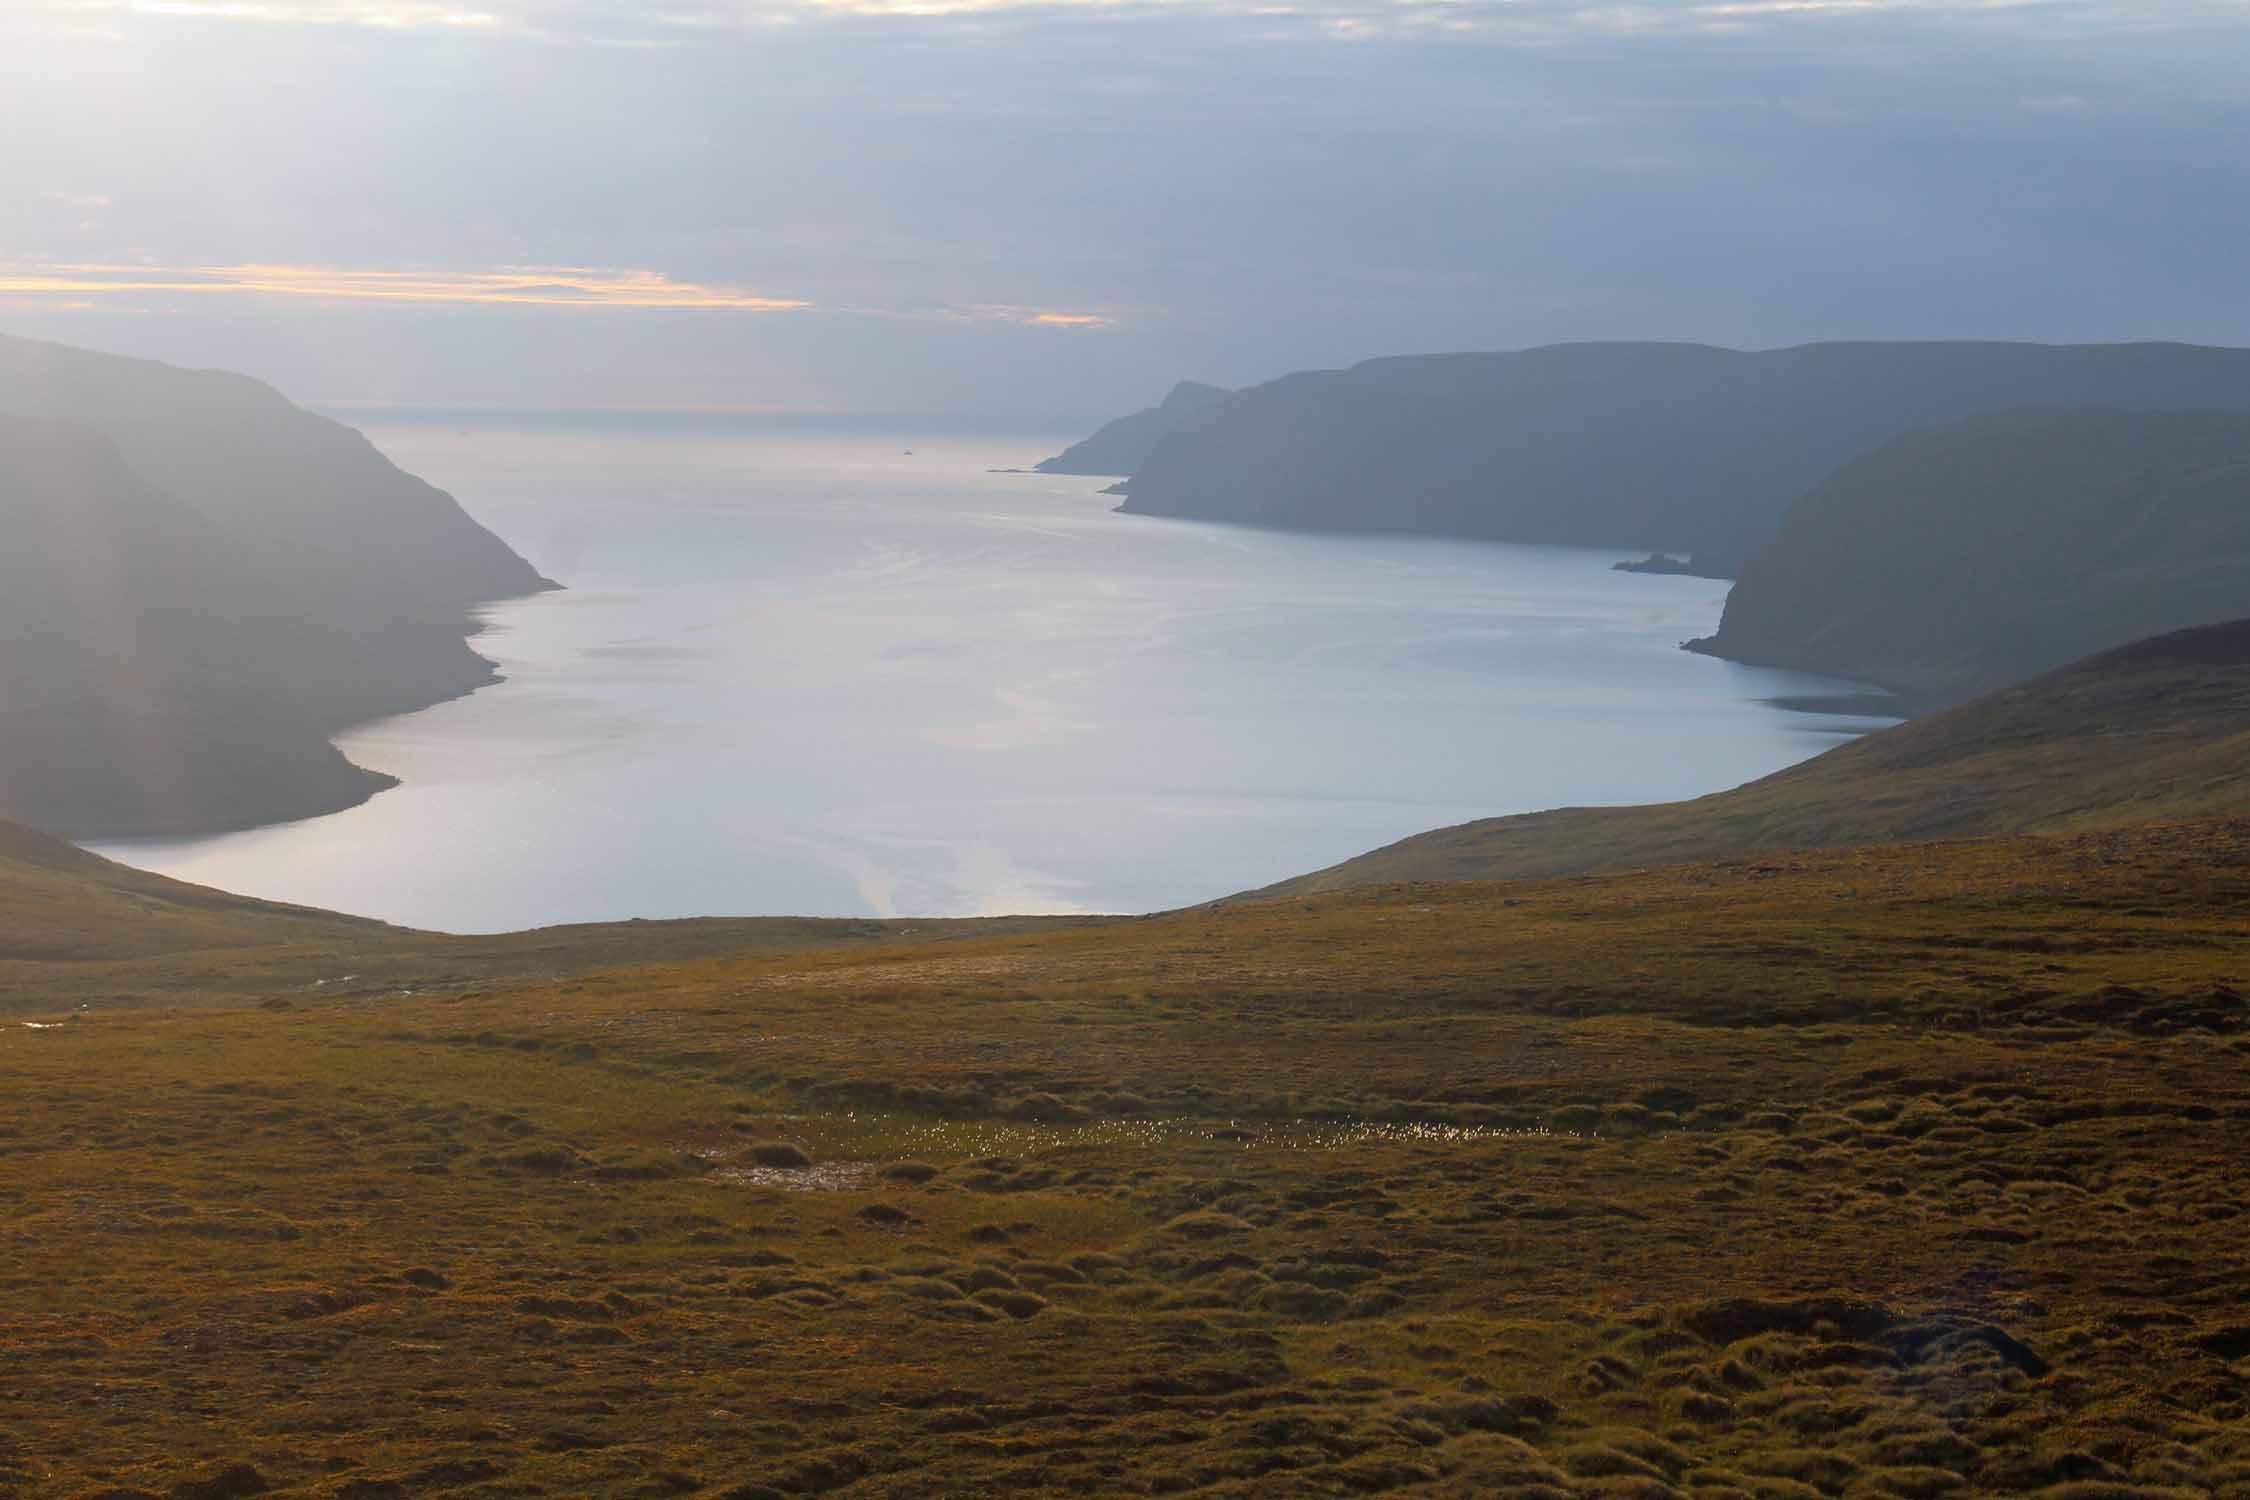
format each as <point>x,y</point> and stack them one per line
<point>1912,1173</point>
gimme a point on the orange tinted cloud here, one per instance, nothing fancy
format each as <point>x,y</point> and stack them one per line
<point>1035,317</point>
<point>521,286</point>
<point>534,286</point>
<point>393,15</point>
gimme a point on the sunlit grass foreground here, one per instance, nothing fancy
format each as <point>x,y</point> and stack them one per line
<point>1913,1172</point>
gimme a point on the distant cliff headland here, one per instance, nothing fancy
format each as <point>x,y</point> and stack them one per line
<point>1940,518</point>
<point>202,584</point>
<point>1122,446</point>
<point>1629,445</point>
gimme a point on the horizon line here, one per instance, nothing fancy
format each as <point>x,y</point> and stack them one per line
<point>1025,423</point>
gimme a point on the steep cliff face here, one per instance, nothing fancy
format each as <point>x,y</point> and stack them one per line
<point>152,679</point>
<point>1959,559</point>
<point>1124,445</point>
<point>1627,445</point>
<point>203,583</point>
<point>393,563</point>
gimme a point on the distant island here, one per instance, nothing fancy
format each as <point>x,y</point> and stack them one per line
<point>1685,447</point>
<point>202,584</point>
<point>1666,565</point>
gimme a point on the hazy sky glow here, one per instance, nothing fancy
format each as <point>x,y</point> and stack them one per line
<point>1055,209</point>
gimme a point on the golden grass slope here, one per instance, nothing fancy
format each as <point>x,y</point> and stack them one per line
<point>58,902</point>
<point>77,929</point>
<point>1891,1172</point>
<point>2158,730</point>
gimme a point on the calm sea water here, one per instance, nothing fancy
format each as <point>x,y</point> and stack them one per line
<point>798,672</point>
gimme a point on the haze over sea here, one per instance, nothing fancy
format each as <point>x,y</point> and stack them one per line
<point>804,670</point>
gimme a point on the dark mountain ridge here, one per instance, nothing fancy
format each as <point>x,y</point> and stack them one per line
<point>150,671</point>
<point>394,563</point>
<point>1680,446</point>
<point>202,584</point>
<point>1955,560</point>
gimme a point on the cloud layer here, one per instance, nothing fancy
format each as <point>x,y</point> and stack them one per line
<point>511,286</point>
<point>937,190</point>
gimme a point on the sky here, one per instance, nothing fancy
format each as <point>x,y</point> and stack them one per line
<point>1050,211</point>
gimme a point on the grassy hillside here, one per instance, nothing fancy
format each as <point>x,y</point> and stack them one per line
<point>1956,560</point>
<point>59,904</point>
<point>80,930</point>
<point>1905,1172</point>
<point>2157,730</point>
<point>1913,1171</point>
